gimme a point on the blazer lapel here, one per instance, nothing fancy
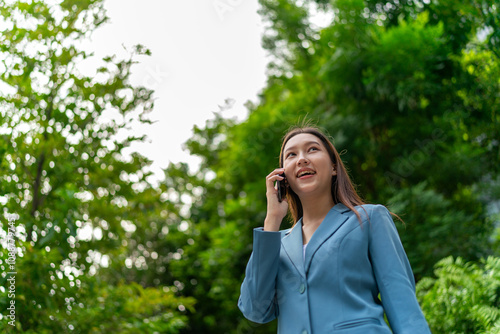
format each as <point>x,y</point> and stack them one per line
<point>330,224</point>
<point>292,244</point>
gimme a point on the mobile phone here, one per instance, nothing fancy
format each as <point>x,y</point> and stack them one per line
<point>281,188</point>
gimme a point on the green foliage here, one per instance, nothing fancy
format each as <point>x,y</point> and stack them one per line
<point>463,298</point>
<point>76,199</point>
<point>430,217</point>
<point>403,73</point>
<point>101,307</point>
<point>130,308</point>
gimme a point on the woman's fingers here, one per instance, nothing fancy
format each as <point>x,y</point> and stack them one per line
<point>275,210</point>
<point>274,176</point>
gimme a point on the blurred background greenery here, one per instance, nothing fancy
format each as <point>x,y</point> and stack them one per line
<point>409,91</point>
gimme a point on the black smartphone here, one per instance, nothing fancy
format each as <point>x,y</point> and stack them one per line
<point>281,188</point>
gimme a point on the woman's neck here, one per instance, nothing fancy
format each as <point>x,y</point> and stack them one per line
<point>315,209</point>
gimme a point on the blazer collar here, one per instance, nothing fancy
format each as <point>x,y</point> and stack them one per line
<point>293,242</point>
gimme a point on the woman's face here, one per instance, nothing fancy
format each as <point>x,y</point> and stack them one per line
<point>308,167</point>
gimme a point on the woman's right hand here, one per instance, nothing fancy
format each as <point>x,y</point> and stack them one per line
<point>276,210</point>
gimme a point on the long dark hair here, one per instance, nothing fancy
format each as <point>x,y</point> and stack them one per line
<point>343,190</point>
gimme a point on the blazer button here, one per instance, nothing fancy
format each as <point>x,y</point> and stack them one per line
<point>301,290</point>
<point>304,332</point>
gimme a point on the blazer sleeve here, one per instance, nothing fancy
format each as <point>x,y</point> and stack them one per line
<point>394,275</point>
<point>257,300</point>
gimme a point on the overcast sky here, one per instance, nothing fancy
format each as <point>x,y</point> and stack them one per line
<point>203,52</point>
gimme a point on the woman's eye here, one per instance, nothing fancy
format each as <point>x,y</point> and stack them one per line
<point>313,148</point>
<point>289,154</point>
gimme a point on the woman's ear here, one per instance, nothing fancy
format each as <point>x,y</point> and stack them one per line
<point>334,171</point>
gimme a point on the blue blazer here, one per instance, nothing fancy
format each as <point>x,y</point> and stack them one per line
<point>336,288</point>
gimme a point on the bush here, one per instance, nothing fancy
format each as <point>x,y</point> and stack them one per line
<point>463,298</point>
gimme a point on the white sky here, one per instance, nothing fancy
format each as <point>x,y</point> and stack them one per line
<point>202,54</point>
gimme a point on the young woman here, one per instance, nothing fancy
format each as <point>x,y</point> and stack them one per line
<point>341,266</point>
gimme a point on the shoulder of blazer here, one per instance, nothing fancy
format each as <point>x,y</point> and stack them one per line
<point>370,208</point>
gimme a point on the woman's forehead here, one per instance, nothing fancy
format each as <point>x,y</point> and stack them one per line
<point>301,139</point>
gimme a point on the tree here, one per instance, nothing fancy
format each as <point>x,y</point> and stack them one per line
<point>65,179</point>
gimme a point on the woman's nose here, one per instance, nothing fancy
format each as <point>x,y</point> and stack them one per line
<point>302,159</point>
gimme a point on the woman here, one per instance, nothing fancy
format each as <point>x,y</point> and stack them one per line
<point>338,269</point>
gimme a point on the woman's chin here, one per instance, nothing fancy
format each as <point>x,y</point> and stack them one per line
<point>311,191</point>
<point>306,192</point>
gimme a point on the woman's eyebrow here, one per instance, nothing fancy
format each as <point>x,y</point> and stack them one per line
<point>306,143</point>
